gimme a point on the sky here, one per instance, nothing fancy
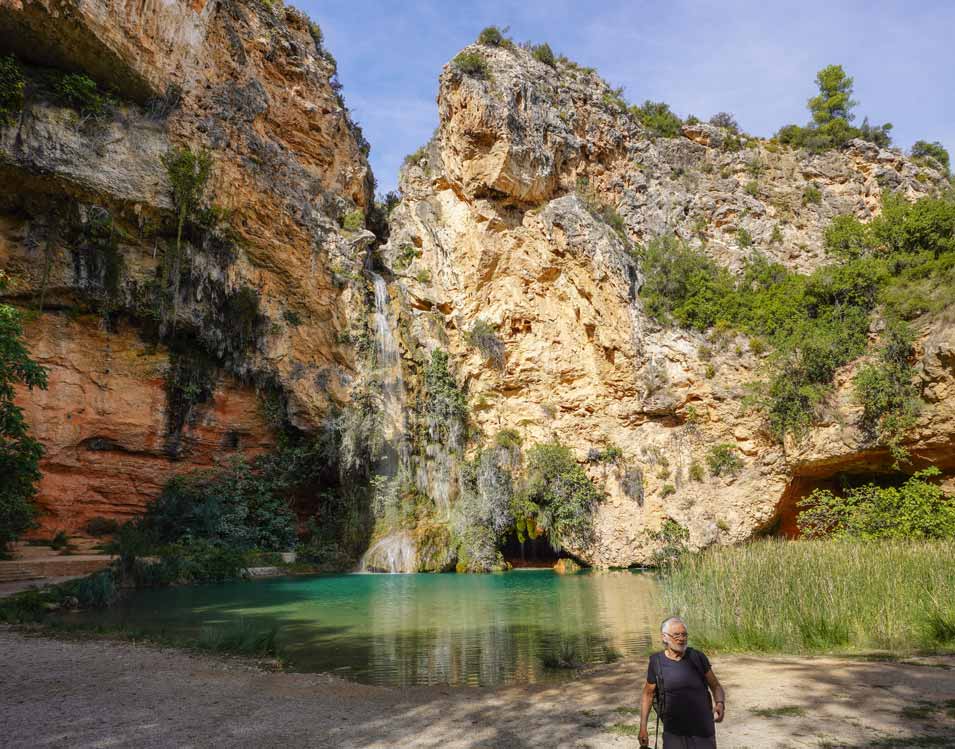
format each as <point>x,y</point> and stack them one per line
<point>755,59</point>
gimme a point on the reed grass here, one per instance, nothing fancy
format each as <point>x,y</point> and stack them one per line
<point>817,596</point>
<point>241,637</point>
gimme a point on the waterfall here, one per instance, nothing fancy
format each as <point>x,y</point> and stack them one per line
<point>396,551</point>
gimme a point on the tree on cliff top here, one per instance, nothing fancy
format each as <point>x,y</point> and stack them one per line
<point>19,452</point>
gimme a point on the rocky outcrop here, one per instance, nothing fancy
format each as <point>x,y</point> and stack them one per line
<point>264,283</point>
<point>505,220</point>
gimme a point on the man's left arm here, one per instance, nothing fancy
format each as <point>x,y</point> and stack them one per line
<point>719,697</point>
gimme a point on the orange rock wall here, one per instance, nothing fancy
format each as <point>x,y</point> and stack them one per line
<point>102,422</point>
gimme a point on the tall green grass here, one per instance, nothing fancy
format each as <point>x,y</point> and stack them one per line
<point>241,637</point>
<point>817,596</point>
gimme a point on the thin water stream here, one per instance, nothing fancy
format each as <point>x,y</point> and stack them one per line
<point>517,627</point>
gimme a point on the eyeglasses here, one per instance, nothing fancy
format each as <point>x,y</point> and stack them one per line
<point>677,635</point>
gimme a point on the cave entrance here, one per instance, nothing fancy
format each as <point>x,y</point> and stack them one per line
<point>533,552</point>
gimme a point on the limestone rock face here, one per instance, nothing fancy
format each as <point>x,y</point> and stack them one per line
<point>501,221</point>
<point>267,281</point>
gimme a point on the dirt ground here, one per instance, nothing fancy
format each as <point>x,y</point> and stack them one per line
<point>97,693</point>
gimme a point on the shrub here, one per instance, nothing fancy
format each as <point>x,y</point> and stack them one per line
<point>492,36</point>
<point>918,509</point>
<point>12,85</point>
<point>81,93</point>
<point>847,237</point>
<point>19,452</point>
<point>885,389</point>
<point>672,544</point>
<point>723,460</point>
<point>696,471</point>
<point>933,154</point>
<point>484,338</point>
<point>472,64</point>
<point>242,637</point>
<point>811,195</point>
<point>667,490</point>
<point>354,220</point>
<point>683,285</point>
<point>657,117</point>
<point>558,497</point>
<point>508,438</point>
<point>100,526</point>
<point>744,238</point>
<point>725,120</point>
<point>446,409</point>
<point>543,53</point>
<point>752,188</point>
<point>777,236</point>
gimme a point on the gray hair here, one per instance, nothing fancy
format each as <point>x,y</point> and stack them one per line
<point>668,622</point>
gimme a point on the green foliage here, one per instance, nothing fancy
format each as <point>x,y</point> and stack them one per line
<point>558,496</point>
<point>240,508</point>
<point>446,407</point>
<point>19,452</point>
<point>918,509</point>
<point>885,388</point>
<point>484,338</point>
<point>848,238</point>
<point>190,380</point>
<point>671,542</point>
<point>683,285</point>
<point>472,64</point>
<point>725,120</point>
<point>752,188</point>
<point>315,31</point>
<point>723,460</point>
<point>242,637</point>
<point>933,154</point>
<point>613,98</point>
<point>838,594</point>
<point>744,238</point>
<point>543,53</point>
<point>100,526</point>
<point>657,117</point>
<point>811,195</point>
<point>12,85</point>
<point>831,113</point>
<point>492,36</point>
<point>354,220</point>
<point>508,438</point>
<point>415,156</point>
<point>834,101</point>
<point>82,94</point>
<point>602,211</point>
<point>405,256</point>
<point>696,471</point>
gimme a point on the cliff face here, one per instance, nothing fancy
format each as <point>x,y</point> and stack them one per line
<point>160,351</point>
<point>501,222</point>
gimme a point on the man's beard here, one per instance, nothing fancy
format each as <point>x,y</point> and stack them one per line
<point>678,647</point>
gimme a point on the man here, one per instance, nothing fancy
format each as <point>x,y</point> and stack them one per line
<point>681,676</point>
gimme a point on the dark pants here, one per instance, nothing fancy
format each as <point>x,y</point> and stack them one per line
<point>670,741</point>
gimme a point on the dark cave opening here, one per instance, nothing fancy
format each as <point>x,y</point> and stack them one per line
<point>533,552</point>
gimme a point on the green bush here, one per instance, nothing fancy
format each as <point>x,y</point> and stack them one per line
<point>484,338</point>
<point>242,637</point>
<point>354,220</point>
<point>657,117</point>
<point>492,36</point>
<point>558,497</point>
<point>543,53</point>
<point>725,120</point>
<point>671,542</point>
<point>723,460</point>
<point>744,238</point>
<point>472,64</point>
<point>885,389</point>
<point>848,238</point>
<point>12,85</point>
<point>811,195</point>
<point>446,407</point>
<point>933,154</point>
<point>100,526</point>
<point>19,452</point>
<point>82,94</point>
<point>918,509</point>
<point>508,438</point>
<point>696,471</point>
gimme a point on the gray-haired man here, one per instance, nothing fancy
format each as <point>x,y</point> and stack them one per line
<point>682,679</point>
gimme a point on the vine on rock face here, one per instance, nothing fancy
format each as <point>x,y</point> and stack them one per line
<point>188,173</point>
<point>12,84</point>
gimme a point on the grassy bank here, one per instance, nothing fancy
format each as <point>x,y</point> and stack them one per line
<point>818,596</point>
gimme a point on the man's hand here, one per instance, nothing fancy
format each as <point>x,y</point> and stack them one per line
<point>644,736</point>
<point>718,709</point>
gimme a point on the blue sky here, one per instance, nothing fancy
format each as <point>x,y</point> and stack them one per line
<point>754,59</point>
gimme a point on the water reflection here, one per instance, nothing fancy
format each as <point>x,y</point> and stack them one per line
<point>422,629</point>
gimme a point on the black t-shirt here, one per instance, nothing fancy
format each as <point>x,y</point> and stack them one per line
<point>686,702</point>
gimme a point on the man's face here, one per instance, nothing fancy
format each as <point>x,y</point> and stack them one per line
<point>675,637</point>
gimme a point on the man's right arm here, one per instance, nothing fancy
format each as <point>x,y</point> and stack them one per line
<point>645,702</point>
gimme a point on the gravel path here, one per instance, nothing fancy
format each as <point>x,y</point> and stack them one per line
<point>98,693</point>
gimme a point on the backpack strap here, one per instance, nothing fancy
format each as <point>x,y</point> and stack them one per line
<point>694,658</point>
<point>659,694</point>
